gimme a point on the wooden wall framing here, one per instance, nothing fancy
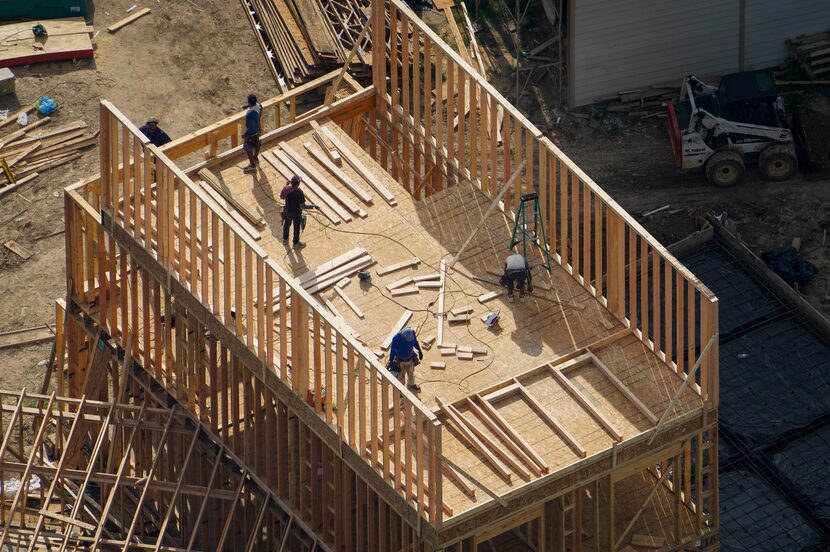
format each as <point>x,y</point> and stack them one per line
<point>437,122</point>
<point>161,270</point>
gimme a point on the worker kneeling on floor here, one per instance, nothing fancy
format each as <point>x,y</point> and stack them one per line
<point>404,354</point>
<point>516,273</point>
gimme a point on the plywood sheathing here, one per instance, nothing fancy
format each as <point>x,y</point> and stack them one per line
<point>529,333</point>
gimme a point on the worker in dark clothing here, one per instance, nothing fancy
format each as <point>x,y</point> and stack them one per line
<point>153,133</point>
<point>516,272</point>
<point>292,211</point>
<point>253,129</point>
<point>402,359</point>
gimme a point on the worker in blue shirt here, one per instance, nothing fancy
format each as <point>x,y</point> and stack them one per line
<point>153,133</point>
<point>402,359</point>
<point>253,129</point>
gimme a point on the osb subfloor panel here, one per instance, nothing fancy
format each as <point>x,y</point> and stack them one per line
<point>547,325</point>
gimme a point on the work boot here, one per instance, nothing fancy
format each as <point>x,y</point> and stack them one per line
<point>249,169</point>
<point>414,386</point>
<point>510,298</point>
<point>522,298</point>
<point>299,245</point>
<point>285,242</point>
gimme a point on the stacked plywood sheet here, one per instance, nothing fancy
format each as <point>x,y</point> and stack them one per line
<point>65,39</point>
<point>303,38</point>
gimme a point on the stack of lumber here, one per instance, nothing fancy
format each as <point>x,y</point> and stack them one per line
<point>32,150</point>
<point>331,272</point>
<point>305,38</point>
<point>66,39</point>
<point>334,205</point>
<point>642,102</point>
<point>813,53</point>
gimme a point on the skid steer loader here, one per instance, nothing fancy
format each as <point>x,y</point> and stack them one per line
<point>722,129</point>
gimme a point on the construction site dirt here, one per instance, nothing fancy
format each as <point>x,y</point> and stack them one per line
<point>190,64</point>
<point>186,63</point>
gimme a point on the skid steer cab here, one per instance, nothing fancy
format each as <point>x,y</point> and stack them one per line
<point>723,129</point>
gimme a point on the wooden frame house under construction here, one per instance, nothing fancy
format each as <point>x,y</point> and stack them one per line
<point>217,389</point>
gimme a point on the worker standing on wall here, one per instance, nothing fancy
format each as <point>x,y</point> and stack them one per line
<point>402,357</point>
<point>516,273</point>
<point>292,210</point>
<point>253,129</point>
<point>153,133</point>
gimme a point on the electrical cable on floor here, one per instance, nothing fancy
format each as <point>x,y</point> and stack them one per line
<point>490,362</point>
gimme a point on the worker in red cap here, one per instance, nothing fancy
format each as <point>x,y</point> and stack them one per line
<point>404,354</point>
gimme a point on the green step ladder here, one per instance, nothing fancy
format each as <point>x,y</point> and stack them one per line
<point>529,209</point>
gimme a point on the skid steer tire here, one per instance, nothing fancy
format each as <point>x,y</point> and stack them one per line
<point>725,168</point>
<point>777,162</point>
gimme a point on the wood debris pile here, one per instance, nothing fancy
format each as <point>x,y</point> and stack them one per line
<point>642,102</point>
<point>31,150</point>
<point>813,53</point>
<point>305,38</point>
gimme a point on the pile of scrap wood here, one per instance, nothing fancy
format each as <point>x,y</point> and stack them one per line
<point>813,53</point>
<point>31,150</point>
<point>642,102</point>
<point>65,39</point>
<point>305,38</point>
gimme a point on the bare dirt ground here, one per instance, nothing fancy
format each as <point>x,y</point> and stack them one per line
<point>189,63</point>
<point>631,158</point>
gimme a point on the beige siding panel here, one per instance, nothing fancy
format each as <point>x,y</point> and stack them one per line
<point>626,44</point>
<point>769,23</point>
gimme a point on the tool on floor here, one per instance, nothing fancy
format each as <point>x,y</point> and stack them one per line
<point>492,319</point>
<point>7,170</point>
<point>533,212</point>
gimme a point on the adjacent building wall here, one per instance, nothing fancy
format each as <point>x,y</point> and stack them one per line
<point>626,44</point>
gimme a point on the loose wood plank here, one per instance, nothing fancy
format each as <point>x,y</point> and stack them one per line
<point>398,266</point>
<point>311,184</point>
<point>358,166</point>
<point>328,266</point>
<point>18,249</point>
<point>213,181</point>
<point>345,179</point>
<point>399,283</point>
<point>127,20</point>
<point>405,291</point>
<point>488,296</point>
<point>399,325</point>
<point>348,300</point>
<point>234,214</point>
<point>322,182</point>
<point>287,173</point>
